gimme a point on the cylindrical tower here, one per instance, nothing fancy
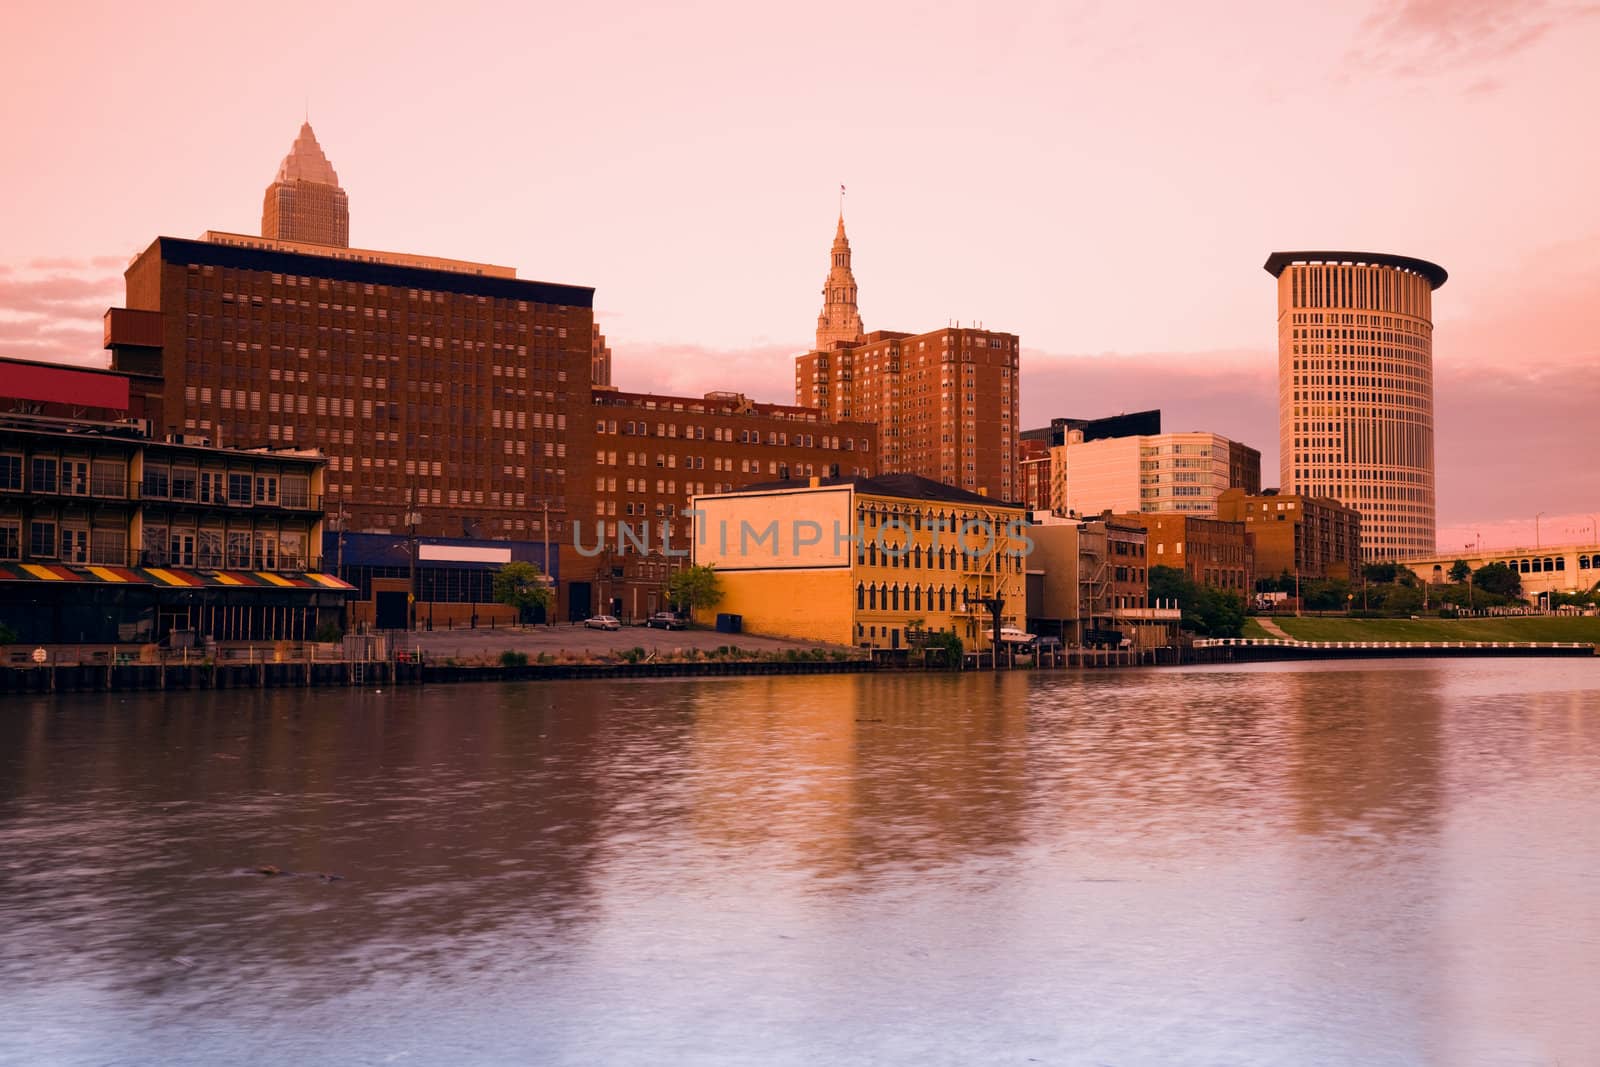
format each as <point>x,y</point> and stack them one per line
<point>1355,390</point>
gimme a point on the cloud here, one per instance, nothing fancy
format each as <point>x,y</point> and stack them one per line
<point>761,372</point>
<point>1423,38</point>
<point>51,308</point>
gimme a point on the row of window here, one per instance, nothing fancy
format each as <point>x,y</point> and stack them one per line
<point>109,478</point>
<point>885,597</point>
<point>163,545</point>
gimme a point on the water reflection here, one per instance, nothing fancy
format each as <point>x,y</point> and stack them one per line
<point>1223,865</point>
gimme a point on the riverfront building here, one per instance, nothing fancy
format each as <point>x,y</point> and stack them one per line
<point>436,392</point>
<point>1089,584</point>
<point>439,389</point>
<point>1214,552</point>
<point>1160,473</point>
<point>1355,390</point>
<point>1305,536</point>
<point>924,557</point>
<point>106,535</point>
<point>654,454</point>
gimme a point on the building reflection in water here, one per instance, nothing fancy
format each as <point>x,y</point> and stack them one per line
<point>1371,862</point>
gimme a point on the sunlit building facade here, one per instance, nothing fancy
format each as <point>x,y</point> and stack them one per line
<point>1355,390</point>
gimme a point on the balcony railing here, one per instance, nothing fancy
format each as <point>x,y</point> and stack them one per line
<point>197,561</point>
<point>122,489</point>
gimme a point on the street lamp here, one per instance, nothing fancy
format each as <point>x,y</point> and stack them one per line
<point>1536,519</point>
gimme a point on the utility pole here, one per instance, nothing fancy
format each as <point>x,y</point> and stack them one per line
<point>544,527</point>
<point>411,585</point>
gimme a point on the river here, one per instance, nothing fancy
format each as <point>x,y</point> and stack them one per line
<point>1383,862</point>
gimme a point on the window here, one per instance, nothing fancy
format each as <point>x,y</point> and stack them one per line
<point>266,554</point>
<point>266,489</point>
<point>42,478</point>
<point>75,545</point>
<point>239,549</point>
<point>184,483</point>
<point>209,552</point>
<point>42,538</point>
<point>75,476</point>
<point>108,476</point>
<point>212,488</point>
<point>11,537</point>
<point>154,548</point>
<point>292,550</point>
<point>296,491</point>
<point>10,472</point>
<point>238,492</point>
<point>109,545</point>
<point>157,481</point>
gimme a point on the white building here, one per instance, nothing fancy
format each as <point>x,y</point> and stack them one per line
<point>1168,472</point>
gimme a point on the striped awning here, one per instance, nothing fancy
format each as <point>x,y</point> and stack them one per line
<point>168,577</point>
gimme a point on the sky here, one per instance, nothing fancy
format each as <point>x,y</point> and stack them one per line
<point>1104,180</point>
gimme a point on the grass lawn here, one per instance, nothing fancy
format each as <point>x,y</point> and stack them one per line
<point>1539,628</point>
<point>1255,630</point>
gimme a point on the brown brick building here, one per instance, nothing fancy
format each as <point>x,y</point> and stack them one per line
<point>653,453</point>
<point>1033,472</point>
<point>1309,536</point>
<point>1214,552</point>
<point>945,402</point>
<point>443,390</point>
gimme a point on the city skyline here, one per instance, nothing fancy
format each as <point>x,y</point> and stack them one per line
<point>1462,106</point>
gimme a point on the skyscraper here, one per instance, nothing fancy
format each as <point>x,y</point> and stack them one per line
<point>305,203</point>
<point>1355,390</point>
<point>945,401</point>
<point>840,319</point>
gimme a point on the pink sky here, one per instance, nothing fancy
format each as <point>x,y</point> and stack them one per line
<point>1104,181</point>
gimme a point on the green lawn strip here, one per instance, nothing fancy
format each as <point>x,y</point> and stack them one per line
<point>1255,630</point>
<point>1489,629</point>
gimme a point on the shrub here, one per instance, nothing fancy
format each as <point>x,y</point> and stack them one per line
<point>328,633</point>
<point>8,636</point>
<point>512,658</point>
<point>633,655</point>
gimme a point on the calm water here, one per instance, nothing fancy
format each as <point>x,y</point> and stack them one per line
<point>1377,863</point>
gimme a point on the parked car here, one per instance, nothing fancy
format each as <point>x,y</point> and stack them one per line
<point>664,620</point>
<point>602,622</point>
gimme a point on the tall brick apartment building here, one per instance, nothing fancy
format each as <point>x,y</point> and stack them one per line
<point>946,402</point>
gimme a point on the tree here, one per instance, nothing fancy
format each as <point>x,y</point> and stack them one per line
<point>1498,578</point>
<point>1460,571</point>
<point>522,586</point>
<point>1381,573</point>
<point>694,587</point>
<point>1169,584</point>
<point>1206,611</point>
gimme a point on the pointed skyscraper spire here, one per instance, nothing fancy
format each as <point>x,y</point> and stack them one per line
<point>305,203</point>
<point>840,319</point>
